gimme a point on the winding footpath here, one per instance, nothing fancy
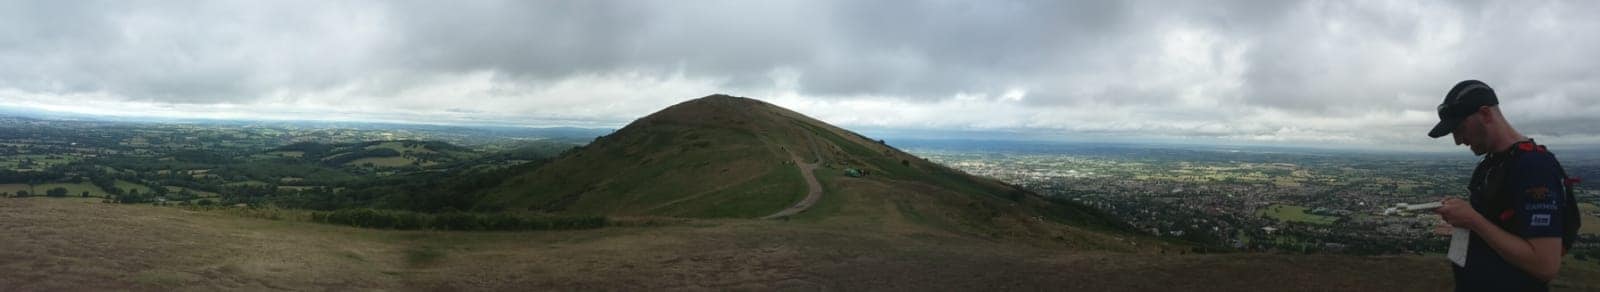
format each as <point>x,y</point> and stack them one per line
<point>813,188</point>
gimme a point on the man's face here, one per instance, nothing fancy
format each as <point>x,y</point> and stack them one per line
<point>1471,133</point>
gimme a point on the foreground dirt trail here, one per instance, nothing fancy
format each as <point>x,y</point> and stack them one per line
<point>60,244</point>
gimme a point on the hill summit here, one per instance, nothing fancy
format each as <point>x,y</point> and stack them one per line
<point>723,156</point>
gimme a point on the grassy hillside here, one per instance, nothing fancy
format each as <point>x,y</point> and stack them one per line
<point>709,159</point>
<point>731,157</point>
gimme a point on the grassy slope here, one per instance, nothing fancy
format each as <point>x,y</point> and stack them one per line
<point>68,244</point>
<point>733,157</point>
<point>922,195</point>
<point>707,162</point>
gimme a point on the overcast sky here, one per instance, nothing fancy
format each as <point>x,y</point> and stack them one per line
<point>1316,72</point>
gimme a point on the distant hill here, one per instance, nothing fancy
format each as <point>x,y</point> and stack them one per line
<point>722,156</point>
<point>377,154</point>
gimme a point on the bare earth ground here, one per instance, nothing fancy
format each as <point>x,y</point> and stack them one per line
<point>65,244</point>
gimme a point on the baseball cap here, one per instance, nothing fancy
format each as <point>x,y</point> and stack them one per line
<point>1462,100</point>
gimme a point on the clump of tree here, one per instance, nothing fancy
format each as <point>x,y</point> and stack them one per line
<point>132,197</point>
<point>341,159</point>
<point>428,192</point>
<point>106,183</point>
<point>407,220</point>
<point>57,192</point>
<point>23,177</point>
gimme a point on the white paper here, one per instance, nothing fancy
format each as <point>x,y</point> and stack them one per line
<point>1458,246</point>
<point>1423,206</point>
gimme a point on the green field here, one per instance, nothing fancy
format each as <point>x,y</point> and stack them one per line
<point>1294,213</point>
<point>291,154</point>
<point>383,162</point>
<point>73,189</point>
<point>127,186</point>
<point>1592,225</point>
<point>301,188</point>
<point>400,147</point>
<point>197,193</point>
<point>254,183</point>
<point>77,189</point>
<point>40,161</point>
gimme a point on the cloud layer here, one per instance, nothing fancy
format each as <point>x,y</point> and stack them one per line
<point>1313,72</point>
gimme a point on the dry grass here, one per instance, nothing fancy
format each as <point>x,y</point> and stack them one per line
<point>77,245</point>
<point>56,244</point>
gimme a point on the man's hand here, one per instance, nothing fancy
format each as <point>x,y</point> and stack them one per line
<point>1459,213</point>
<point>1443,229</point>
<point>1540,257</point>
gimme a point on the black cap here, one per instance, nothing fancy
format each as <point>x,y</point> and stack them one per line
<point>1461,102</point>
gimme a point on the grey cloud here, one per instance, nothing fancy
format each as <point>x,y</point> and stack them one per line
<point>1309,58</point>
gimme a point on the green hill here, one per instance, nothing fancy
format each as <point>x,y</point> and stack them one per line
<point>732,157</point>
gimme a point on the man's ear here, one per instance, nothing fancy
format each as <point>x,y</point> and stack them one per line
<point>1486,114</point>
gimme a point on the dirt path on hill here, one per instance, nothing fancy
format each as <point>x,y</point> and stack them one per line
<point>813,188</point>
<point>813,191</point>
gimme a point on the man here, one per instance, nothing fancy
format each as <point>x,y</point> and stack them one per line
<point>1520,213</point>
